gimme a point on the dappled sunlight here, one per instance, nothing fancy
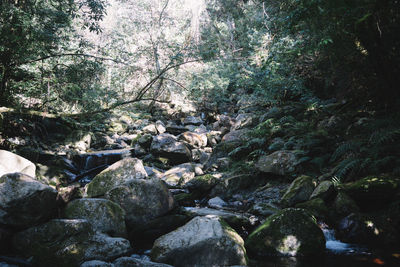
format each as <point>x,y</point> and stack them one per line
<point>289,245</point>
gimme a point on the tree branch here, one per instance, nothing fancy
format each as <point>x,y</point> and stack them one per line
<point>71,54</point>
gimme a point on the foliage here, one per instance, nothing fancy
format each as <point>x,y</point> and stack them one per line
<point>32,30</point>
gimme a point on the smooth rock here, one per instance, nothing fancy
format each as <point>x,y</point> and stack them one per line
<point>299,190</point>
<point>10,163</point>
<point>191,120</point>
<point>179,175</point>
<point>194,139</point>
<point>104,215</point>
<point>96,263</point>
<point>67,243</point>
<point>133,262</point>
<point>166,145</point>
<point>216,203</point>
<point>160,126</point>
<point>280,162</point>
<point>117,174</point>
<point>325,190</point>
<point>25,201</point>
<point>142,200</point>
<point>204,241</point>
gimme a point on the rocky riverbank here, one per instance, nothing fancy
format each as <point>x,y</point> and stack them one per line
<point>220,190</point>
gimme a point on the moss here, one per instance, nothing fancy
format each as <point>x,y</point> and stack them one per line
<point>299,191</point>
<point>371,191</point>
<point>316,207</point>
<point>289,232</point>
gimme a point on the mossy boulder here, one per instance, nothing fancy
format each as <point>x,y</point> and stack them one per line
<point>104,215</point>
<point>179,174</point>
<point>281,162</point>
<point>166,145</point>
<point>204,241</point>
<point>24,201</point>
<point>202,183</point>
<point>142,199</point>
<point>325,190</point>
<point>343,205</point>
<point>316,207</point>
<point>67,243</point>
<point>371,192</point>
<point>290,232</point>
<point>299,190</point>
<point>117,174</point>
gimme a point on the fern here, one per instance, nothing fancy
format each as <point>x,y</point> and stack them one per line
<point>384,136</point>
<point>345,149</point>
<point>351,166</point>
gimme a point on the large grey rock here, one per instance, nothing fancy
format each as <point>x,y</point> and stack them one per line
<point>142,200</point>
<point>236,136</point>
<point>117,174</point>
<point>167,145</point>
<point>325,190</point>
<point>151,129</point>
<point>96,263</point>
<point>25,201</point>
<point>133,262</point>
<point>67,243</point>
<point>10,163</point>
<point>104,215</point>
<point>280,162</point>
<point>194,139</point>
<point>191,120</point>
<point>299,190</point>
<point>160,126</point>
<point>204,241</point>
<point>179,175</point>
<point>290,232</point>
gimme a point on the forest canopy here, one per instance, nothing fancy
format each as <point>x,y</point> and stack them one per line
<point>82,55</point>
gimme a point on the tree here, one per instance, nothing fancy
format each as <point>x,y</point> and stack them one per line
<point>32,30</point>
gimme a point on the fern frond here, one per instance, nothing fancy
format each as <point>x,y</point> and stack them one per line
<point>348,166</point>
<point>345,148</point>
<point>383,136</point>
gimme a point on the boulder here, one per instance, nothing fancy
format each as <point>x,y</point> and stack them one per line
<point>96,263</point>
<point>117,174</point>
<point>10,163</point>
<point>134,262</point>
<point>67,243</point>
<point>25,201</point>
<point>371,192</point>
<point>280,162</point>
<point>216,203</point>
<point>299,190</point>
<point>142,200</point>
<point>237,136</point>
<point>104,215</point>
<point>167,145</point>
<point>290,232</point>
<point>150,129</point>
<point>179,175</point>
<point>343,205</point>
<point>191,120</point>
<point>202,183</point>
<point>242,121</point>
<point>194,139</point>
<point>325,190</point>
<point>316,207</point>
<point>160,126</point>
<point>144,235</point>
<point>204,241</point>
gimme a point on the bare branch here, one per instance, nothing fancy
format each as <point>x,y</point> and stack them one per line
<point>72,54</point>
